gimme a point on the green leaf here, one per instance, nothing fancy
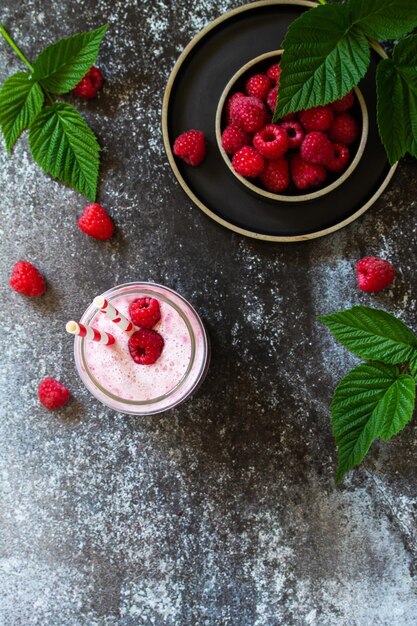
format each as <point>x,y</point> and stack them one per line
<point>62,65</point>
<point>372,334</point>
<point>396,81</point>
<point>21,99</point>
<point>65,147</point>
<point>385,19</point>
<point>373,400</point>
<point>325,55</point>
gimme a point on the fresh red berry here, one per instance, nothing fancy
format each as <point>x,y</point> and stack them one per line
<point>340,158</point>
<point>306,175</point>
<point>191,147</point>
<point>52,394</point>
<point>248,162</point>
<point>318,118</point>
<point>295,133</point>
<point>271,142</point>
<point>345,103</point>
<point>248,113</point>
<point>145,312</point>
<point>276,177</point>
<point>229,103</point>
<point>374,274</point>
<point>26,279</point>
<point>234,138</point>
<point>274,72</point>
<point>145,346</point>
<point>344,129</point>
<point>272,98</point>
<point>258,86</point>
<point>90,85</point>
<point>317,148</point>
<point>96,222</point>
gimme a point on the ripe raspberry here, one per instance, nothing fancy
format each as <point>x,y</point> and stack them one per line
<point>234,138</point>
<point>295,133</point>
<point>248,113</point>
<point>145,312</point>
<point>271,142</point>
<point>318,118</point>
<point>340,158</point>
<point>306,175</point>
<point>274,72</point>
<point>272,99</point>
<point>229,103</point>
<point>344,129</point>
<point>90,85</point>
<point>145,346</point>
<point>26,279</point>
<point>258,86</point>
<point>52,394</point>
<point>276,175</point>
<point>191,147</point>
<point>95,222</point>
<point>248,162</point>
<point>345,103</point>
<point>374,274</point>
<point>317,148</point>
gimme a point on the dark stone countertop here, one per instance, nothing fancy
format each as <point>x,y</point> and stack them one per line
<point>223,512</point>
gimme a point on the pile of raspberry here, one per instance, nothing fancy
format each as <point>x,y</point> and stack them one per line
<point>304,148</point>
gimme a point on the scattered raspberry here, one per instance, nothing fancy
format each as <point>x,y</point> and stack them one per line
<point>234,138</point>
<point>52,394</point>
<point>276,176</point>
<point>318,118</point>
<point>344,129</point>
<point>191,147</point>
<point>95,222</point>
<point>295,133</point>
<point>236,96</point>
<point>272,99</point>
<point>248,162</point>
<point>274,72</point>
<point>248,113</point>
<point>340,158</point>
<point>271,142</point>
<point>345,103</point>
<point>90,85</point>
<point>145,346</point>
<point>306,175</point>
<point>145,312</point>
<point>317,148</point>
<point>374,274</point>
<point>258,86</point>
<point>26,279</point>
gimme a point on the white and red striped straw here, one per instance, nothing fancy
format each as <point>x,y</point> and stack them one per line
<point>113,314</point>
<point>76,328</point>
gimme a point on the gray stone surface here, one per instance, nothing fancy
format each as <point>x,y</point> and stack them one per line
<point>223,512</point>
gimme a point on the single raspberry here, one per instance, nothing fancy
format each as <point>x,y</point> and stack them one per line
<point>340,158</point>
<point>234,138</point>
<point>271,142</point>
<point>52,394</point>
<point>248,162</point>
<point>306,175</point>
<point>374,274</point>
<point>276,176</point>
<point>318,118</point>
<point>344,129</point>
<point>191,147</point>
<point>295,133</point>
<point>90,85</point>
<point>248,113</point>
<point>259,86</point>
<point>145,312</point>
<point>272,99</point>
<point>26,279</point>
<point>317,148</point>
<point>96,222</point>
<point>345,103</point>
<point>274,72</point>
<point>145,346</point>
<point>229,103</point>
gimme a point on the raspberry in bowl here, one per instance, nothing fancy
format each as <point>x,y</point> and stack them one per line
<point>304,155</point>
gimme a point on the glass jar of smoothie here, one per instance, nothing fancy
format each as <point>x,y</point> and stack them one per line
<point>112,376</point>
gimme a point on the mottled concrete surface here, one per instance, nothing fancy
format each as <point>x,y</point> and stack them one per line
<point>223,512</point>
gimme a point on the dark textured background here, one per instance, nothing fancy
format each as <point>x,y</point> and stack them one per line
<point>223,512</point>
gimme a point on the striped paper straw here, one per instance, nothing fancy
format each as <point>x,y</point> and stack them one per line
<point>76,328</point>
<point>113,314</point>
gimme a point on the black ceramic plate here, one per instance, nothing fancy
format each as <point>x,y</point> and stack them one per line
<point>191,98</point>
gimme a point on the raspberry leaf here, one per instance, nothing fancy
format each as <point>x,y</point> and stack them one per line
<point>64,146</point>
<point>385,19</point>
<point>21,99</point>
<point>62,65</point>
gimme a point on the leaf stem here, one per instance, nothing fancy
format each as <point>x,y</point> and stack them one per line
<point>15,48</point>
